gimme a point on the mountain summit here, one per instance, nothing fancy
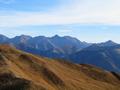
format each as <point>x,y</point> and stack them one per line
<point>56,36</point>
<point>108,43</point>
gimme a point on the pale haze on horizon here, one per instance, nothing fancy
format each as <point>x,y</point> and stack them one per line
<point>88,20</point>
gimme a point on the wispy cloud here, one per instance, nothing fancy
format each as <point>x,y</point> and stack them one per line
<point>76,11</point>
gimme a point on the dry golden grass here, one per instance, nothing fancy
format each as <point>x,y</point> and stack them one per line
<point>38,73</point>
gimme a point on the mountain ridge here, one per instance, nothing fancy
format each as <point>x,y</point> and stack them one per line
<point>55,44</point>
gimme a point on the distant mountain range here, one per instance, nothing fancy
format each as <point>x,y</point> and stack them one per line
<point>53,47</point>
<point>105,55</point>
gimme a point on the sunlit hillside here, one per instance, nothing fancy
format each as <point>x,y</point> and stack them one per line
<point>24,71</point>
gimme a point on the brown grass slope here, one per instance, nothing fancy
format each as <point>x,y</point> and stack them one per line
<point>23,71</point>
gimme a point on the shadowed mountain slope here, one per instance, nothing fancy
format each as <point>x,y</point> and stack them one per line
<point>105,57</point>
<point>24,71</point>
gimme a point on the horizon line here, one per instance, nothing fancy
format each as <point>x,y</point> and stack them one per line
<point>61,36</point>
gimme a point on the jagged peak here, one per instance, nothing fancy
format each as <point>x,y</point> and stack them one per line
<point>56,36</point>
<point>23,36</point>
<point>108,43</point>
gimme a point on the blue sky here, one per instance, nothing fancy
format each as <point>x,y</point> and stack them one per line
<point>88,20</point>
